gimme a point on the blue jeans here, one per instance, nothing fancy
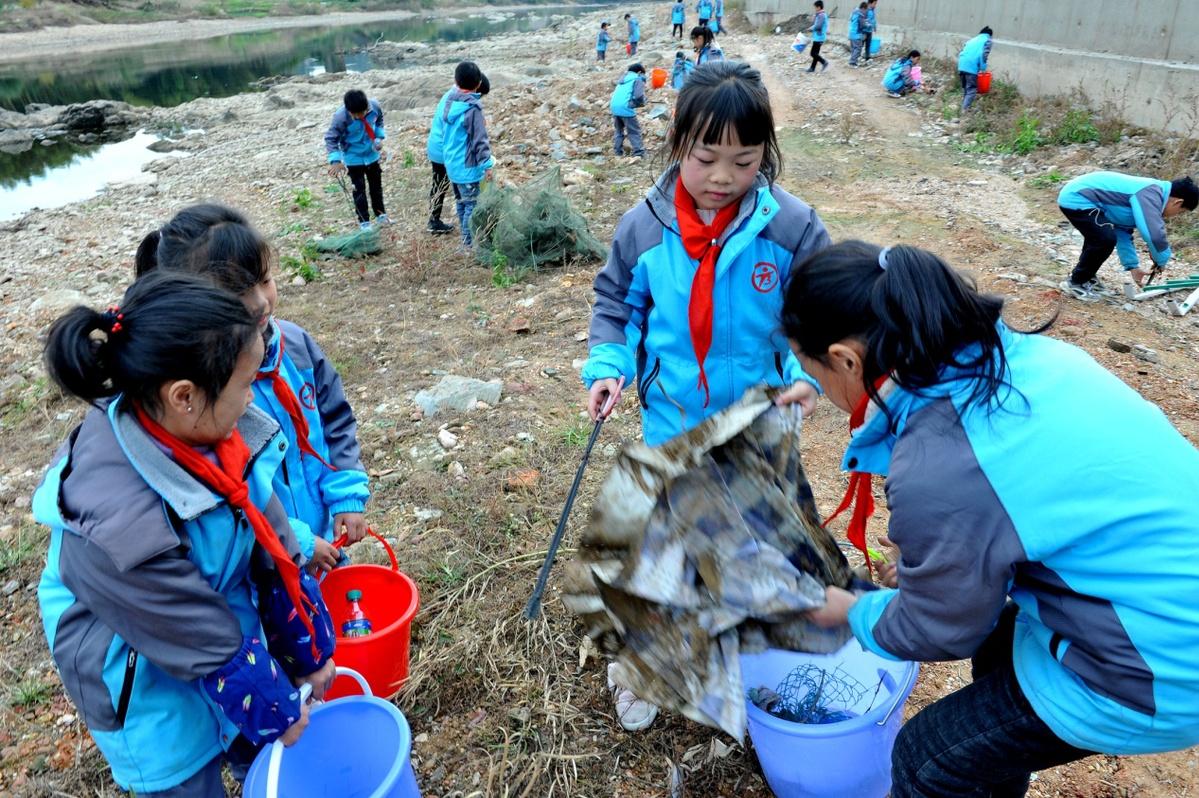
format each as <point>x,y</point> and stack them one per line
<point>468,197</point>
<point>985,740</point>
<point>627,126</point>
<point>855,51</point>
<point>969,88</point>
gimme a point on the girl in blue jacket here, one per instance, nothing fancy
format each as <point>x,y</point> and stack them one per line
<point>703,41</point>
<point>172,601</point>
<point>1064,562</point>
<point>322,481</point>
<point>693,282</point>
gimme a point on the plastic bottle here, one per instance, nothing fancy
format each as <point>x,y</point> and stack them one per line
<point>357,624</point>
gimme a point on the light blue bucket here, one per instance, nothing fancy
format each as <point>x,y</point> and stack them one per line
<point>834,760</point>
<point>876,46</point>
<point>354,747</point>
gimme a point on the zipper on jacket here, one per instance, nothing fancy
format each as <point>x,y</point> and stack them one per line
<point>778,366</point>
<point>643,384</point>
<point>126,688</point>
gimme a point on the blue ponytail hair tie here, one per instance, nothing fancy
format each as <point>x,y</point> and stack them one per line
<point>882,258</point>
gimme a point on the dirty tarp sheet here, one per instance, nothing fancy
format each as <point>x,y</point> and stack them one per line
<point>701,549</point>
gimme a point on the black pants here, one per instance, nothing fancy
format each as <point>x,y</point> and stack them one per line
<point>678,30</point>
<point>360,176</point>
<point>441,185</point>
<point>866,45</point>
<point>1098,241</point>
<point>985,740</point>
<point>816,57</point>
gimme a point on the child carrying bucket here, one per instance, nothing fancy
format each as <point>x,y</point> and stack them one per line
<point>1073,591</point>
<point>175,651</point>
<point>693,285</point>
<point>321,482</point>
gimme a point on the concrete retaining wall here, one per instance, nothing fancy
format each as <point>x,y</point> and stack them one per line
<point>1138,57</point>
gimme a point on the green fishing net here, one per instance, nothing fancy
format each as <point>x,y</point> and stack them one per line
<point>358,244</point>
<point>531,225</point>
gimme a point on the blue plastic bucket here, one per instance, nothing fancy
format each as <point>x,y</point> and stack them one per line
<point>876,45</point>
<point>799,48</point>
<point>354,747</point>
<point>835,760</point>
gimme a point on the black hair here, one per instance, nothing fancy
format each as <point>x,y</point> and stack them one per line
<point>1184,188</point>
<point>355,101</point>
<point>680,54</point>
<point>637,68</point>
<point>626,16</point>
<point>467,75</point>
<point>605,24</point>
<point>722,98</point>
<point>704,32</point>
<point>484,86</point>
<point>914,54</point>
<point>819,3</point>
<point>914,317</point>
<point>862,4</point>
<point>211,240</point>
<point>172,326</point>
<point>987,30</point>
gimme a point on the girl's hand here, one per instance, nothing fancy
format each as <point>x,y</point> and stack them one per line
<point>352,524</point>
<point>835,611</point>
<point>802,393</point>
<point>324,555</point>
<point>599,395</point>
<point>336,168</point>
<point>320,680</point>
<point>292,735</point>
<point>888,573</point>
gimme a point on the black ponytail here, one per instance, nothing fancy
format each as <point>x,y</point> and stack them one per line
<point>915,317</point>
<point>211,240</point>
<point>169,326</point>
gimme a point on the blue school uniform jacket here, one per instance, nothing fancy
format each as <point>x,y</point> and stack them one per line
<point>709,53</point>
<point>433,145</point>
<point>467,148</point>
<point>347,141</point>
<point>639,326</point>
<point>678,13</point>
<point>1127,203</point>
<point>628,96</point>
<point>974,55</point>
<point>898,75</point>
<point>634,30</point>
<point>857,22</point>
<point>153,601</point>
<point>311,491</point>
<point>1075,498</point>
<point>820,27</point>
<point>682,68</point>
<point>704,7</point>
<point>601,41</point>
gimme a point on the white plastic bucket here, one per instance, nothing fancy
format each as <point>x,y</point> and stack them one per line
<point>849,759</point>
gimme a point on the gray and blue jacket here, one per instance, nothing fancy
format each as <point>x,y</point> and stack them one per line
<point>634,30</point>
<point>819,27</point>
<point>467,148</point>
<point>678,13</point>
<point>601,41</point>
<point>857,25</point>
<point>310,491</point>
<point>1093,536</point>
<point>718,8</point>
<point>899,75</point>
<point>639,326</point>
<point>1126,203</point>
<point>152,600</point>
<point>628,96</point>
<point>433,145</point>
<point>868,25</point>
<point>347,141</point>
<point>975,54</point>
<point>705,8</point>
<point>679,72</point>
<point>709,53</point>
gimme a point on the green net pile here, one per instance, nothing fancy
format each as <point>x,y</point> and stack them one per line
<point>531,225</point>
<point>358,244</point>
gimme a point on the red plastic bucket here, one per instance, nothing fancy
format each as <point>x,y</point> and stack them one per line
<point>658,77</point>
<point>984,82</point>
<point>389,600</point>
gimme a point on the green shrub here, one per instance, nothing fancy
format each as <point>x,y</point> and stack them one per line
<point>1076,127</point>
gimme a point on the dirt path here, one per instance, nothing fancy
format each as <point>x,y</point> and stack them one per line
<point>498,706</point>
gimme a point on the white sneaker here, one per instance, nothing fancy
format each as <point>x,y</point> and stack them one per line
<point>1083,293</point>
<point>633,713</point>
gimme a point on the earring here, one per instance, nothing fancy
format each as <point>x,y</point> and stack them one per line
<point>189,408</point>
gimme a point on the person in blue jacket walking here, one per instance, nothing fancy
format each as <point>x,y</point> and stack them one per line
<point>693,285</point>
<point>857,33</point>
<point>468,159</point>
<point>703,42</point>
<point>628,96</point>
<point>1106,207</point>
<point>177,652</point>
<point>354,142</point>
<point>897,80</point>
<point>601,42</point>
<point>718,15</point>
<point>868,28</point>
<point>819,31</point>
<point>705,9</point>
<point>433,148</point>
<point>634,33</point>
<point>1058,559</point>
<point>972,60</point>
<point>678,17</point>
<point>321,481</point>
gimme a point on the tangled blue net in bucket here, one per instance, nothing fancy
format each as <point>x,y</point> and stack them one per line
<point>809,694</point>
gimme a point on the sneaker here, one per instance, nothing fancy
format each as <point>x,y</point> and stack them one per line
<point>633,713</point>
<point>895,94</point>
<point>365,226</point>
<point>1083,293</point>
<point>383,220</point>
<point>1102,289</point>
<point>439,228</point>
<point>824,66</point>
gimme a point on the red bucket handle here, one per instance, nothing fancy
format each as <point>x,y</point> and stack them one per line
<point>395,564</point>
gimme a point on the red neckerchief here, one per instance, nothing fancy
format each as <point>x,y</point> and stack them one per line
<point>860,492</point>
<point>700,242</point>
<point>370,131</point>
<point>228,481</point>
<point>291,405</point>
